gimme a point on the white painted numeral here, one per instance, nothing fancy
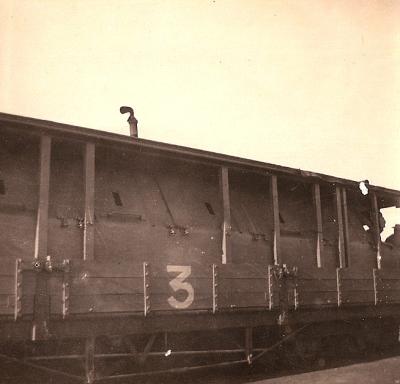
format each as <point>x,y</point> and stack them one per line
<point>179,283</point>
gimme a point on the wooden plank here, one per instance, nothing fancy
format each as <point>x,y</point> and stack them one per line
<point>358,297</point>
<point>7,285</point>
<point>276,222</point>
<point>104,303</point>
<point>7,266</point>
<point>377,237</point>
<point>243,270</point>
<point>389,274</point>
<point>316,287</point>
<point>339,217</point>
<point>43,203</point>
<point>7,304</point>
<point>242,286</point>
<point>242,300</point>
<point>356,274</point>
<point>89,190</point>
<point>317,299</point>
<point>100,285</point>
<point>346,237</point>
<point>226,226</point>
<point>316,274</point>
<point>355,287</point>
<point>91,269</point>
<point>318,214</point>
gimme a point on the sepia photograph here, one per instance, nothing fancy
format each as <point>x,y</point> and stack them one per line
<point>199,191</point>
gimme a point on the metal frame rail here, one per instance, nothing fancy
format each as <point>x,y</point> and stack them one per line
<point>90,358</point>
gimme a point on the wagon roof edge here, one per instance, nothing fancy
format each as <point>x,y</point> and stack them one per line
<point>90,133</point>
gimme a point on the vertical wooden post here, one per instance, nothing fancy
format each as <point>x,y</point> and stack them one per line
<point>377,230</point>
<point>90,372</point>
<point>146,288</point>
<point>215,288</point>
<point>41,306</point>
<point>43,204</point>
<point>339,218</point>
<point>248,344</point>
<point>226,226</point>
<point>346,228</point>
<point>318,214</point>
<point>275,216</point>
<point>18,289</point>
<point>339,286</point>
<point>89,173</point>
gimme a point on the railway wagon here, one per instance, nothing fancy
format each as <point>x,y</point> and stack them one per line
<point>116,251</point>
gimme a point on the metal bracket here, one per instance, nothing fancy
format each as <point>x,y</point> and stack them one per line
<point>377,280</point>
<point>66,289</point>
<point>215,287</point>
<point>283,271</point>
<point>18,289</point>
<point>259,236</point>
<point>271,295</point>
<point>339,286</point>
<point>48,265</point>
<point>296,294</point>
<point>146,288</point>
<point>174,229</point>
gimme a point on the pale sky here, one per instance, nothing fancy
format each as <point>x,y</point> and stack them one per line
<point>307,84</point>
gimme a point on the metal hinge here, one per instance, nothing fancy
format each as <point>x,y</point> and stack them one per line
<point>146,288</point>
<point>215,287</point>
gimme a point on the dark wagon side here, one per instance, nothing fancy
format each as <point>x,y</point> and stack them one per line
<point>149,251</point>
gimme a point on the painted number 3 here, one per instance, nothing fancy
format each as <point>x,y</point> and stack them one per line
<point>179,284</point>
